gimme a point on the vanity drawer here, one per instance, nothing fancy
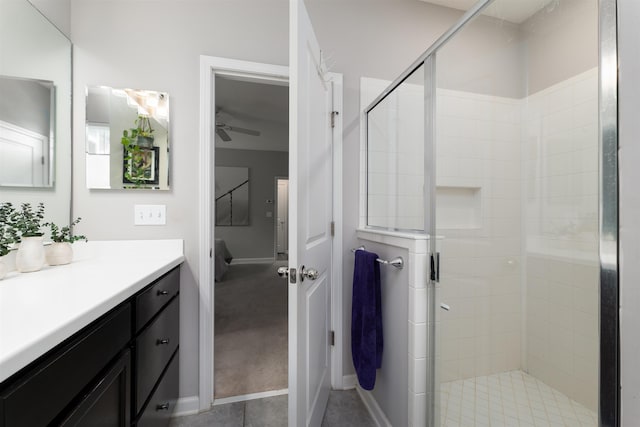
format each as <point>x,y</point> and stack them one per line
<point>149,302</point>
<point>54,383</point>
<point>163,401</point>
<point>154,347</point>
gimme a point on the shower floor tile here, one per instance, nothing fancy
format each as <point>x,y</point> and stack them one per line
<point>509,399</point>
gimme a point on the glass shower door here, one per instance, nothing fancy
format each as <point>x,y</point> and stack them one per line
<point>516,217</point>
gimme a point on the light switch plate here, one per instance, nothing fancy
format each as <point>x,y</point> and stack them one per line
<point>150,214</point>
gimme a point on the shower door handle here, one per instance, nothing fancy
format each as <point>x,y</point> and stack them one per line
<point>435,267</point>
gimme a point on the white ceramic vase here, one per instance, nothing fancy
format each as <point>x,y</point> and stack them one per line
<point>59,253</point>
<point>30,256</point>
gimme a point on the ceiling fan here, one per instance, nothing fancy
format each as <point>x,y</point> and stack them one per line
<point>222,128</point>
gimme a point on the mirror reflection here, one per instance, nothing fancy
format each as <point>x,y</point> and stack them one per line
<point>26,132</point>
<point>127,139</point>
<point>35,108</point>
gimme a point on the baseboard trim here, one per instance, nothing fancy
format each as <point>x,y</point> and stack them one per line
<point>349,382</point>
<point>187,406</point>
<point>250,396</point>
<point>374,409</point>
<point>252,260</point>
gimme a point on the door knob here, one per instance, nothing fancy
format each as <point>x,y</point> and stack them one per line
<point>283,271</point>
<point>310,273</point>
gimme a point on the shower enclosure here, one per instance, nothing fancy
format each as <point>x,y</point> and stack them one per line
<point>499,141</point>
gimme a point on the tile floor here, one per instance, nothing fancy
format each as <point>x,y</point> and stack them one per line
<point>345,409</point>
<point>509,399</point>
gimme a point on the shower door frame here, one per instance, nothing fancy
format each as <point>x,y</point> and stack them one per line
<point>609,318</point>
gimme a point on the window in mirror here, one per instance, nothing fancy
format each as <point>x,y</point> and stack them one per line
<point>127,139</point>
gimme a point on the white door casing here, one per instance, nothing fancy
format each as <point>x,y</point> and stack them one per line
<point>210,67</point>
<point>310,216</point>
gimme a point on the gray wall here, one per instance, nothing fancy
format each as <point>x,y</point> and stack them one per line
<point>256,240</point>
<point>561,42</point>
<point>56,11</point>
<point>629,158</point>
<point>26,104</point>
<point>107,49</point>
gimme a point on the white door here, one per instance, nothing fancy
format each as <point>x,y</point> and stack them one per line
<point>310,201</point>
<point>23,159</point>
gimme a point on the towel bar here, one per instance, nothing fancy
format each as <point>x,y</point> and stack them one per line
<point>397,262</point>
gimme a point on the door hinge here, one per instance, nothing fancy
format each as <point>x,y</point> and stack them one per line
<point>332,338</point>
<point>42,160</point>
<point>210,253</point>
<point>333,228</point>
<point>333,118</point>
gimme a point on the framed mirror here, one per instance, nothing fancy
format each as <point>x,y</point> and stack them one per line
<point>35,111</point>
<point>127,139</point>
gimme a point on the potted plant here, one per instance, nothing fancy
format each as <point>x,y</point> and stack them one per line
<point>136,143</point>
<point>28,222</point>
<point>8,236</point>
<point>141,135</point>
<point>60,251</point>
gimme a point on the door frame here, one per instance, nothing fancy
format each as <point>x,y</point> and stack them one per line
<point>210,67</point>
<point>275,215</point>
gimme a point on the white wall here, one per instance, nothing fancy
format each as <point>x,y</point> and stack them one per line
<point>57,11</point>
<point>629,174</point>
<point>111,49</point>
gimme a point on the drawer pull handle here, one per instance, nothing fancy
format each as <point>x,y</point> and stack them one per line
<point>162,341</point>
<point>162,407</point>
<point>160,293</point>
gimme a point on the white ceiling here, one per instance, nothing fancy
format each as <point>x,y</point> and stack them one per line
<point>516,11</point>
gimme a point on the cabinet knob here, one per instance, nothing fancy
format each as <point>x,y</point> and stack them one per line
<point>162,341</point>
<point>162,407</point>
<point>163,293</point>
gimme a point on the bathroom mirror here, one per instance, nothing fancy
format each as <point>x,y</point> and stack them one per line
<point>35,111</point>
<point>127,139</point>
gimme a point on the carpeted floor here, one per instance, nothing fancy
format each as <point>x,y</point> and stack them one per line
<point>251,331</point>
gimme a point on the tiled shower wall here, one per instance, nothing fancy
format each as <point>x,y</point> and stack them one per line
<point>560,142</point>
<point>519,178</point>
<point>478,202</point>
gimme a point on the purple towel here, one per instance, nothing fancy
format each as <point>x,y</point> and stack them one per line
<point>366,318</point>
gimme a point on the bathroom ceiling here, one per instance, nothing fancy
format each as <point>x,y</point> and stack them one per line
<point>516,11</point>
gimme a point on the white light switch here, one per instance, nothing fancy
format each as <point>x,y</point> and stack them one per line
<point>150,214</point>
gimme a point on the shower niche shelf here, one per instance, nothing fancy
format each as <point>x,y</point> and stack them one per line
<point>459,208</point>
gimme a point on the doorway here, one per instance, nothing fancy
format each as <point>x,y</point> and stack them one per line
<point>212,67</point>
<point>251,301</point>
<point>282,219</point>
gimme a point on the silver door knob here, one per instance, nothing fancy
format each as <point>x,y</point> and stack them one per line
<point>311,273</point>
<point>283,271</point>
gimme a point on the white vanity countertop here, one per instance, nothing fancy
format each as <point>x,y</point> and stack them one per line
<point>40,310</point>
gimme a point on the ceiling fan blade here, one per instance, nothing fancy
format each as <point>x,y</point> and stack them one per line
<point>223,135</point>
<point>243,130</point>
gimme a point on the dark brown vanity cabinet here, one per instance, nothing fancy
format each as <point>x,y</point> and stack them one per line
<point>157,333</point>
<point>119,371</point>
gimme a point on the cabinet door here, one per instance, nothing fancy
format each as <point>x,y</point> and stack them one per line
<point>108,403</point>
